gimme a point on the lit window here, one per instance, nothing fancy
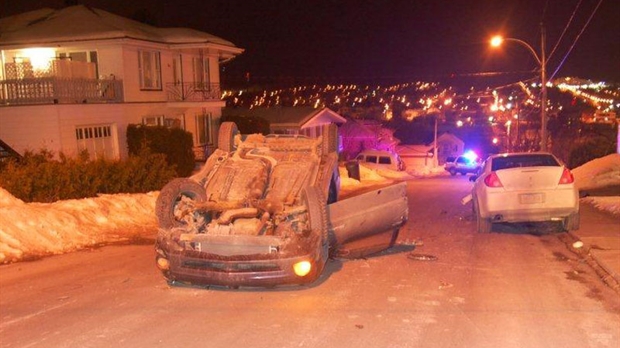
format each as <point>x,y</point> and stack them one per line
<point>149,67</point>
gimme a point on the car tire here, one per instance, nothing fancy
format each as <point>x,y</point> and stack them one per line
<point>317,210</point>
<point>170,196</point>
<point>571,222</point>
<point>330,139</point>
<point>483,225</point>
<point>317,214</point>
<point>452,172</point>
<point>226,136</point>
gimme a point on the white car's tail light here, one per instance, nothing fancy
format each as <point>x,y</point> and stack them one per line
<point>567,177</point>
<point>492,180</point>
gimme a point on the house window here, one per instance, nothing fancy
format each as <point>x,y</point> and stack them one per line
<point>204,127</point>
<point>149,66</point>
<point>153,120</point>
<point>98,140</point>
<point>161,120</point>
<point>82,56</point>
<point>177,70</point>
<point>201,73</point>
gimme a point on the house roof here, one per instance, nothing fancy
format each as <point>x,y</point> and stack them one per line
<point>414,150</point>
<point>289,117</point>
<point>354,129</point>
<point>82,23</point>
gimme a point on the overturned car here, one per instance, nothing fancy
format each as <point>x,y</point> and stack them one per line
<point>264,211</point>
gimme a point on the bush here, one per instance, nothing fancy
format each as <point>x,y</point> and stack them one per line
<point>174,143</point>
<point>40,178</point>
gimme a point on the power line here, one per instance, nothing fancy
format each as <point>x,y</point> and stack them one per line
<point>575,42</point>
<point>564,31</point>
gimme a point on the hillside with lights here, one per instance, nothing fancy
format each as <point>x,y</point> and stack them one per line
<point>504,118</point>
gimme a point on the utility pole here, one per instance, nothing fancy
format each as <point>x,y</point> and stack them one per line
<point>543,92</point>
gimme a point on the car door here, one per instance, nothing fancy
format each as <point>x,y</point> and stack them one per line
<point>367,223</point>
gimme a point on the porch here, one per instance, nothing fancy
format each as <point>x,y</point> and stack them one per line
<point>57,90</point>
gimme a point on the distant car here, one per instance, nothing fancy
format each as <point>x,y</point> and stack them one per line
<point>379,159</point>
<point>463,164</point>
<point>264,211</point>
<point>525,187</point>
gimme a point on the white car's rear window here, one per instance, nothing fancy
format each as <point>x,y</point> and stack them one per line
<point>524,161</point>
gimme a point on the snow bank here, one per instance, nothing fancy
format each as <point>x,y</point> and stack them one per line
<point>368,178</point>
<point>609,204</point>
<point>36,229</point>
<point>601,172</point>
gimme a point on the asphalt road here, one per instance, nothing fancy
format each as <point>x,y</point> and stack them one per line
<point>517,287</point>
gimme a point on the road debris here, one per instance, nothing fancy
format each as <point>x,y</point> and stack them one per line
<point>466,199</point>
<point>421,257</point>
<point>445,285</point>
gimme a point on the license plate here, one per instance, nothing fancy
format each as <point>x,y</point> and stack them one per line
<point>531,198</point>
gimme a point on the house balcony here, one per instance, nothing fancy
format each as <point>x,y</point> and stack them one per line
<point>193,92</point>
<point>57,90</point>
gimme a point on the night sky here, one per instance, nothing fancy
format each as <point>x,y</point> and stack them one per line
<point>387,41</point>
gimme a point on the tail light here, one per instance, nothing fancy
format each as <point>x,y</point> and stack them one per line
<point>567,177</point>
<point>492,180</point>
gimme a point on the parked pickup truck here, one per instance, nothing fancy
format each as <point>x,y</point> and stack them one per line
<point>463,164</point>
<point>264,211</point>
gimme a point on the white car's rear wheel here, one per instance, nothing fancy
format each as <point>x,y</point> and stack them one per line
<point>571,222</point>
<point>484,225</point>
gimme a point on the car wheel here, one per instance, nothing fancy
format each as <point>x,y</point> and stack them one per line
<point>571,222</point>
<point>317,214</point>
<point>452,172</point>
<point>175,204</point>
<point>226,136</point>
<point>330,139</point>
<point>484,225</point>
<point>317,210</point>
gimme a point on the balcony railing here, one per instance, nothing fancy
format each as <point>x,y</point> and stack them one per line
<point>55,90</point>
<point>193,91</point>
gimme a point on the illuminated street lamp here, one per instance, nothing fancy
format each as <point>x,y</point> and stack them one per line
<point>496,41</point>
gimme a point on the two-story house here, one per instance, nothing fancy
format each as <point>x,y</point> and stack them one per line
<point>73,79</point>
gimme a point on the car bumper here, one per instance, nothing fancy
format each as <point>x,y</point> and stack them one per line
<point>194,267</point>
<point>530,206</point>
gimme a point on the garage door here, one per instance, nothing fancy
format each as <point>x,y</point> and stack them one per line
<point>99,140</point>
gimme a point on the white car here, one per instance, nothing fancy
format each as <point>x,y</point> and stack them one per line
<point>379,159</point>
<point>525,187</point>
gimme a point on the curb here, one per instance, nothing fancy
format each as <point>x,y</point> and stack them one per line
<point>604,273</point>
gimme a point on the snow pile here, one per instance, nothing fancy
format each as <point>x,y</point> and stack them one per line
<point>610,204</point>
<point>368,178</point>
<point>36,229</point>
<point>427,171</point>
<point>601,172</point>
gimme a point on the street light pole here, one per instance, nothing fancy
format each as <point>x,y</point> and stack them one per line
<point>542,62</point>
<point>543,91</point>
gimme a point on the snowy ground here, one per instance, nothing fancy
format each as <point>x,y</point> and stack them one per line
<point>32,230</point>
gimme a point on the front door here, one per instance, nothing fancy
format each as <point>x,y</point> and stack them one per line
<point>369,222</point>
